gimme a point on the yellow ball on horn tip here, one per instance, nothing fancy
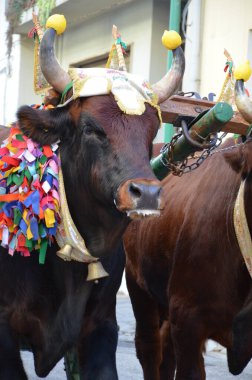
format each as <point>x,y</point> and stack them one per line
<point>57,22</point>
<point>243,71</point>
<point>171,39</point>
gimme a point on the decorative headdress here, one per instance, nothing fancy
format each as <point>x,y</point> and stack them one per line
<point>130,91</point>
<point>84,81</point>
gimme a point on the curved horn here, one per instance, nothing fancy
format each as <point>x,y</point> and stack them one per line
<point>171,81</point>
<point>242,101</point>
<point>55,75</point>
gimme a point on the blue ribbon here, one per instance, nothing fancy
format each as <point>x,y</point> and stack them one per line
<point>33,200</point>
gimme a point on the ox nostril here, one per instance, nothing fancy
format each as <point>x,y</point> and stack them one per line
<point>135,190</point>
<point>146,195</point>
<point>140,197</point>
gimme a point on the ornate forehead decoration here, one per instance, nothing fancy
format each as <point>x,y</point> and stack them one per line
<point>130,91</point>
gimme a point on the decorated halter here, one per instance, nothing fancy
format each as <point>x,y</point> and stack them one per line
<point>34,206</point>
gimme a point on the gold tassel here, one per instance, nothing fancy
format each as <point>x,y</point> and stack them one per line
<point>121,61</point>
<point>39,82</point>
<point>227,90</point>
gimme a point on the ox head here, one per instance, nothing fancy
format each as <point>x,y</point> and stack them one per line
<point>105,154</point>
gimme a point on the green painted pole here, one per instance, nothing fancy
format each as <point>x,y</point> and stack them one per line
<point>212,122</point>
<point>174,24</point>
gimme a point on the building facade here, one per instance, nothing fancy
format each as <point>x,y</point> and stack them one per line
<point>86,41</point>
<point>209,26</point>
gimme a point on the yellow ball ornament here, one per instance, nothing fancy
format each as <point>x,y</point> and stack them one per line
<point>57,22</point>
<point>243,71</point>
<point>171,39</point>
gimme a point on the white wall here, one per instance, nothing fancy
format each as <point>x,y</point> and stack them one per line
<point>8,85</point>
<point>26,94</point>
<point>192,79</point>
<point>226,24</point>
<point>94,36</point>
<point>17,88</point>
<point>159,54</point>
<point>213,25</point>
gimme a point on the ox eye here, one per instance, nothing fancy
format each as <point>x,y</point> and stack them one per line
<point>93,130</point>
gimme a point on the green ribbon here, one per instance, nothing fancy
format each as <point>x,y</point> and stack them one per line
<point>66,89</point>
<point>42,251</point>
<point>120,42</point>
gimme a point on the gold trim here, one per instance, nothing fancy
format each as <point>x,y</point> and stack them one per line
<point>241,229</point>
<point>72,245</point>
<point>130,111</point>
<point>68,237</point>
<point>158,110</point>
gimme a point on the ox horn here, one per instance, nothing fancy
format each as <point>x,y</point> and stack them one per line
<point>242,74</point>
<point>55,75</point>
<point>242,101</point>
<point>171,81</point>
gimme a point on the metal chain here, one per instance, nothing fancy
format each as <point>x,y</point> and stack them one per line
<point>179,168</point>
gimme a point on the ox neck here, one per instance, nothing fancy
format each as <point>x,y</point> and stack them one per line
<point>72,244</point>
<point>99,225</point>
<point>70,241</point>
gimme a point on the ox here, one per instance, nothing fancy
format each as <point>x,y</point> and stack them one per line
<point>51,307</point>
<point>185,274</point>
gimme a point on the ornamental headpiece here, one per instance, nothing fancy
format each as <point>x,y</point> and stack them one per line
<point>130,91</point>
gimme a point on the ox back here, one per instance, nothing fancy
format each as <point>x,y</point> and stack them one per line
<point>185,273</point>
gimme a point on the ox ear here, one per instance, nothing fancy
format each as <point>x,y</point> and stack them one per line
<point>45,126</point>
<point>241,160</point>
<point>235,160</point>
<point>52,97</point>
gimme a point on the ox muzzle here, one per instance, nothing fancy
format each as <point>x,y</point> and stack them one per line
<point>139,198</point>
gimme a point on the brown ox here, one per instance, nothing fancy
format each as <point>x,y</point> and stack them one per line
<point>185,273</point>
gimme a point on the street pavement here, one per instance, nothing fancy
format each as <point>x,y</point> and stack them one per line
<point>127,363</point>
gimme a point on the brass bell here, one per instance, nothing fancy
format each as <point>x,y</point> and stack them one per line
<point>65,252</point>
<point>96,271</point>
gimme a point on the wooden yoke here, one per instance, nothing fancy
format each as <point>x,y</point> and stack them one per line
<point>194,136</point>
<point>178,106</point>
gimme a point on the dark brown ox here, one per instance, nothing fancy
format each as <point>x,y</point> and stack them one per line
<point>105,162</point>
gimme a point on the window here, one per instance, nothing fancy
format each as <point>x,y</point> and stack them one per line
<point>249,83</point>
<point>100,61</point>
